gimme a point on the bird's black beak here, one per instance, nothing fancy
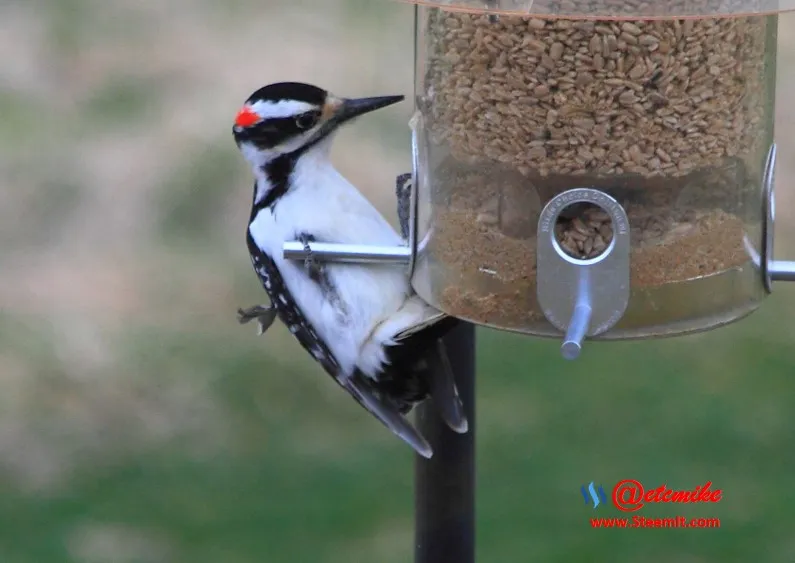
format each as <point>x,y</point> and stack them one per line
<point>353,108</point>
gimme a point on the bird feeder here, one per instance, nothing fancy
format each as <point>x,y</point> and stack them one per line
<point>596,168</point>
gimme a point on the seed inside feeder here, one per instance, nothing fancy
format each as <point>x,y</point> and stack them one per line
<point>584,231</point>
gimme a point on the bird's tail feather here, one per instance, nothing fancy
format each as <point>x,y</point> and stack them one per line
<point>443,391</point>
<point>438,371</point>
<point>388,415</point>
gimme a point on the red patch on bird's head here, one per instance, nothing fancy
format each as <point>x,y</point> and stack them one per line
<point>247,117</point>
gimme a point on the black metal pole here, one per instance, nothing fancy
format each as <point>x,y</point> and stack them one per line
<point>444,502</point>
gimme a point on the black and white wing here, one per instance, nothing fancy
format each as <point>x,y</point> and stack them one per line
<point>357,385</point>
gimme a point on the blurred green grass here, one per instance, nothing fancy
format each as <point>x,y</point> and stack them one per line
<point>711,407</point>
<point>140,424</point>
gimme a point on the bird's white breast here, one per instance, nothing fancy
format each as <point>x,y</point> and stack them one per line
<point>323,204</point>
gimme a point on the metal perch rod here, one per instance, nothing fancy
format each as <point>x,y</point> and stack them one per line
<point>580,319</point>
<point>351,253</point>
<point>782,270</point>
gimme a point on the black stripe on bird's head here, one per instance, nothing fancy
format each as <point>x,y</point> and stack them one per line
<point>287,117</point>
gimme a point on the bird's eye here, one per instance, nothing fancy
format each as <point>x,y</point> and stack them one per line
<point>305,120</point>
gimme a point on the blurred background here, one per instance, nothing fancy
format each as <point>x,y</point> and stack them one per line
<point>139,423</point>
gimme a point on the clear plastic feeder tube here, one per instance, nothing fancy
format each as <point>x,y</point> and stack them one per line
<point>671,117</point>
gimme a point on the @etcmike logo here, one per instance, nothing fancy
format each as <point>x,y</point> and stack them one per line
<point>629,495</point>
<point>589,493</point>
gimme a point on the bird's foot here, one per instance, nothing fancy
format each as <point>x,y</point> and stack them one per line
<point>311,265</point>
<point>265,316</point>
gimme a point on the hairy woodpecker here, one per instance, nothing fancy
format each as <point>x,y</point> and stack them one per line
<point>362,323</point>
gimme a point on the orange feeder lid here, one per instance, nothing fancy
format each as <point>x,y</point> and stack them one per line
<point>616,9</point>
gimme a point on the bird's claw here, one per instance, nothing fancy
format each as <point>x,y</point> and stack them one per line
<point>265,317</point>
<point>312,266</point>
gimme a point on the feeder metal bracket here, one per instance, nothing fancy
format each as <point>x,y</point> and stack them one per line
<point>772,269</point>
<point>582,298</point>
